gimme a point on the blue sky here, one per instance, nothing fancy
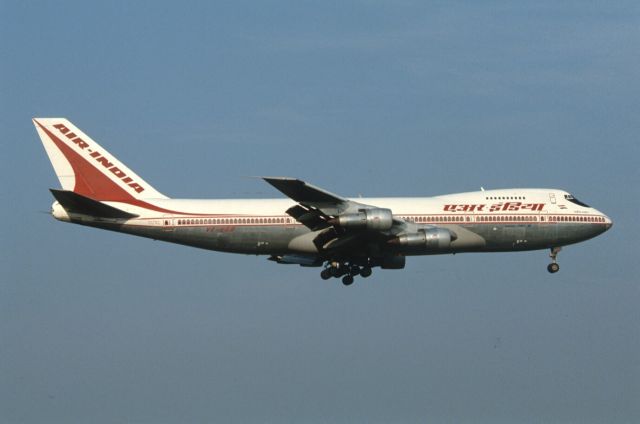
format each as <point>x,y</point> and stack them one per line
<point>374,98</point>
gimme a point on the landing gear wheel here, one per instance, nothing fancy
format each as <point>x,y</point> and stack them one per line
<point>325,274</point>
<point>347,280</point>
<point>365,272</point>
<point>335,271</point>
<point>553,266</point>
<point>355,270</point>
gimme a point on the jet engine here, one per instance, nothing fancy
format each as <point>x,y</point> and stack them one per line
<point>366,219</point>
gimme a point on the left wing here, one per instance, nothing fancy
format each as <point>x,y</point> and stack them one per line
<point>341,223</point>
<point>315,206</point>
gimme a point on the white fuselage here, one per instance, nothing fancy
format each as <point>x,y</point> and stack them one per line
<point>509,219</point>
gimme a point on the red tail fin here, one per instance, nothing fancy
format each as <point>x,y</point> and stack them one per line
<point>84,167</point>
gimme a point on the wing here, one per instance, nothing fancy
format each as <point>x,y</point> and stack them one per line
<point>315,206</point>
<point>303,192</point>
<point>340,223</point>
<point>349,235</point>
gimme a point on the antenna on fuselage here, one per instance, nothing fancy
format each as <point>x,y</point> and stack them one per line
<point>481,188</point>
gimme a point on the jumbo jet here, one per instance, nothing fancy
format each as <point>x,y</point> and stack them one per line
<point>311,227</point>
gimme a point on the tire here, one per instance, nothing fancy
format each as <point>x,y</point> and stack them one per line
<point>365,272</point>
<point>347,280</point>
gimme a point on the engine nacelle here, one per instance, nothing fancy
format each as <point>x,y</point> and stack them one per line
<point>430,238</point>
<point>366,219</point>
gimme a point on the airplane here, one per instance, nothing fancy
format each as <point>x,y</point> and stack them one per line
<point>311,227</point>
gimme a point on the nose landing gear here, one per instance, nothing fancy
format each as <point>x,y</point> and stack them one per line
<point>553,267</point>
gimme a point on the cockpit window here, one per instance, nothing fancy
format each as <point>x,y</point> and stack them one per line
<point>572,199</point>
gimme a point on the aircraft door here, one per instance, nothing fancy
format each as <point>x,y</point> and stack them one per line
<point>167,223</point>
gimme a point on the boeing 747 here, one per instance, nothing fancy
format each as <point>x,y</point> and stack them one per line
<point>311,227</point>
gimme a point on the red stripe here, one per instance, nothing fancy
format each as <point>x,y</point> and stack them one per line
<point>90,182</point>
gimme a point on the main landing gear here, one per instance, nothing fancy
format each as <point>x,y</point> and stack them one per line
<point>346,271</point>
<point>553,267</point>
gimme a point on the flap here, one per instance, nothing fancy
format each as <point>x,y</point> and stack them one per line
<point>310,218</point>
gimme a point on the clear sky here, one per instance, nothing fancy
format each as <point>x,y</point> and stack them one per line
<point>376,98</point>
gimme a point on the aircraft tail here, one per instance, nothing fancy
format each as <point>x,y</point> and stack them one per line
<point>87,169</point>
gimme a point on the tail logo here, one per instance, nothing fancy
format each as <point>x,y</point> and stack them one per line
<point>99,158</point>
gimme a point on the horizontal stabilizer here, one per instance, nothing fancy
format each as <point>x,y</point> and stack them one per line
<point>77,203</point>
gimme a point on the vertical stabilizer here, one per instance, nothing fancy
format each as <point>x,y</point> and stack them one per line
<point>84,167</point>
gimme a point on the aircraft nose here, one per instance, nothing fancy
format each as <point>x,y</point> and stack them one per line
<point>608,222</point>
